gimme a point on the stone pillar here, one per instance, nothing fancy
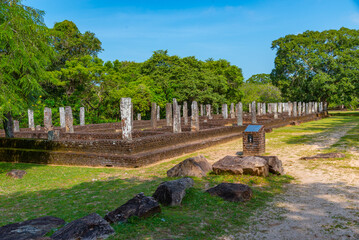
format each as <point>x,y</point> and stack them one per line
<point>259,110</point>
<point>280,109</point>
<point>169,114</point>
<point>254,119</point>
<point>250,107</point>
<point>126,118</point>
<point>225,111</point>
<point>62,117</point>
<point>290,109</point>
<point>232,111</point>
<point>176,117</point>
<point>154,115</point>
<point>217,108</point>
<point>202,110</point>
<point>239,111</point>
<point>158,112</point>
<point>194,117</point>
<point>48,119</point>
<point>185,113</point>
<point>306,108</point>
<point>139,116</point>
<point>275,110</point>
<point>270,108</point>
<point>82,116</point>
<point>299,109</point>
<point>30,114</point>
<point>264,108</point>
<point>325,106</point>
<point>16,126</point>
<point>208,111</point>
<point>295,111</point>
<point>69,120</point>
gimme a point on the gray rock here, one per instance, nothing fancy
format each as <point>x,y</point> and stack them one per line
<point>91,227</point>
<point>30,229</point>
<point>172,192</point>
<point>140,206</point>
<point>193,167</point>
<point>15,173</point>
<point>233,192</point>
<point>250,165</point>
<point>275,165</point>
<point>324,155</point>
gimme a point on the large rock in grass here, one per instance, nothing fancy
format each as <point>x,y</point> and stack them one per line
<point>192,167</point>
<point>30,229</point>
<point>15,173</point>
<point>250,165</point>
<point>274,164</point>
<point>172,192</point>
<point>140,206</point>
<point>324,155</point>
<point>91,227</point>
<point>233,192</point>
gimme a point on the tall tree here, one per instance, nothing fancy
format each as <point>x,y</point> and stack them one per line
<point>318,66</point>
<point>25,51</point>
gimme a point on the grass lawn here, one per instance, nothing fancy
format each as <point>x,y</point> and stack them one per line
<point>74,192</point>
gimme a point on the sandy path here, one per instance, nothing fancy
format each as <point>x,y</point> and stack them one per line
<point>322,203</point>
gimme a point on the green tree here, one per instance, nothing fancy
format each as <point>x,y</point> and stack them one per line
<point>261,78</point>
<point>318,66</point>
<point>25,52</point>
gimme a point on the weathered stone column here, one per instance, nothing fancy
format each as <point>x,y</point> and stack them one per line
<point>217,108</point>
<point>316,107</point>
<point>202,110</point>
<point>158,112</point>
<point>239,111</point>
<point>169,114</point>
<point>194,117</point>
<point>225,111</point>
<point>264,108</point>
<point>48,119</point>
<point>250,107</point>
<point>254,119</point>
<point>126,118</point>
<point>259,110</point>
<point>176,117</point>
<point>30,114</point>
<point>299,109</point>
<point>185,113</point>
<point>275,110</point>
<point>62,117</point>
<point>154,115</point>
<point>69,120</point>
<point>209,111</point>
<point>325,106</point>
<point>139,116</point>
<point>310,108</point>
<point>295,111</point>
<point>82,116</point>
<point>16,126</point>
<point>306,108</point>
<point>232,111</point>
<point>270,108</point>
<point>290,109</point>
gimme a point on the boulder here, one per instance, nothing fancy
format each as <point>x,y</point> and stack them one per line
<point>251,165</point>
<point>172,192</point>
<point>15,173</point>
<point>275,165</point>
<point>30,229</point>
<point>140,206</point>
<point>90,227</point>
<point>193,167</point>
<point>324,155</point>
<point>232,192</point>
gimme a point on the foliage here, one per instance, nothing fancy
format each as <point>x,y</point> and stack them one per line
<point>259,93</point>
<point>261,78</point>
<point>318,66</point>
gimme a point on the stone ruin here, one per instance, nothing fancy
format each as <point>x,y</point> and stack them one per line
<point>134,143</point>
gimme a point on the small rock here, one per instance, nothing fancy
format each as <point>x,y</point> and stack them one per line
<point>91,227</point>
<point>172,192</point>
<point>194,167</point>
<point>232,192</point>
<point>251,165</point>
<point>324,155</point>
<point>30,229</point>
<point>140,206</point>
<point>275,165</point>
<point>15,173</point>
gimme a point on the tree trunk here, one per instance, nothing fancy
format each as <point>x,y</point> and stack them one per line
<point>8,125</point>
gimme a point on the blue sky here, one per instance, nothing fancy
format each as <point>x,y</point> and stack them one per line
<point>238,31</point>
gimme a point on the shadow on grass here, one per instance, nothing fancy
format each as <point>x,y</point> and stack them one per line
<point>200,216</point>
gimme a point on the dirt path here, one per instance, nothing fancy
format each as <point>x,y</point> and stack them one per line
<point>322,203</point>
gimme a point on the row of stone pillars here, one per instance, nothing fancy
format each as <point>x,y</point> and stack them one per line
<point>66,119</point>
